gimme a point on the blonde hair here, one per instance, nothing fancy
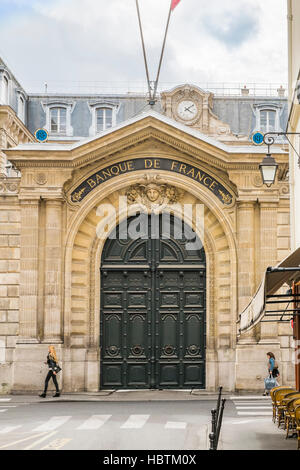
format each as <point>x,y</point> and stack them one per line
<point>52,353</point>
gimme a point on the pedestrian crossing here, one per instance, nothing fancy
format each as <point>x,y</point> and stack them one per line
<point>5,405</point>
<point>94,423</point>
<point>253,406</point>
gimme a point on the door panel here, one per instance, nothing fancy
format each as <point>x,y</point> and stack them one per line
<point>152,312</point>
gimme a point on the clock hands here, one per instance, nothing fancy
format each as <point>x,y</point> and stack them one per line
<point>189,108</point>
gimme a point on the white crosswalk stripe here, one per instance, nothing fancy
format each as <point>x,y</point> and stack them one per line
<point>254,397</point>
<point>253,406</point>
<point>8,429</point>
<point>2,411</point>
<point>135,422</point>
<point>5,399</point>
<point>94,422</point>
<point>53,423</point>
<point>175,425</point>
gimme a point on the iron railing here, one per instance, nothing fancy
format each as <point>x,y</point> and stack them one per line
<point>134,88</point>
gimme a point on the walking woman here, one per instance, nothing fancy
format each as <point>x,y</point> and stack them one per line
<point>54,368</point>
<point>272,369</point>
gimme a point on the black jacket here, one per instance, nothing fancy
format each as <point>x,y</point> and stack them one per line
<point>51,363</point>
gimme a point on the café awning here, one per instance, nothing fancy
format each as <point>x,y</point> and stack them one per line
<point>284,273</point>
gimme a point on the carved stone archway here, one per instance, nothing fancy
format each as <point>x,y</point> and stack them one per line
<point>82,282</point>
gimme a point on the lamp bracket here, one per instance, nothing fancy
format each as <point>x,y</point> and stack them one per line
<point>269,139</point>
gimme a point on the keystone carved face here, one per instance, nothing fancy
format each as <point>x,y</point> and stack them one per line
<point>152,192</point>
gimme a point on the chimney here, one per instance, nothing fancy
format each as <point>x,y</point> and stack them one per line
<point>245,91</point>
<point>281,91</point>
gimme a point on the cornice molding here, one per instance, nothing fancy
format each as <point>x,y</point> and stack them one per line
<point>187,147</point>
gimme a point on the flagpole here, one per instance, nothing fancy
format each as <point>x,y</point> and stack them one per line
<point>144,50</point>
<point>162,51</point>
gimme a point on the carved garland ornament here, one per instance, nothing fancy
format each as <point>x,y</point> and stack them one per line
<point>153,196</point>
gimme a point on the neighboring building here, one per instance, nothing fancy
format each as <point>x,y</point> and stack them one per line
<point>142,314</point>
<point>294,118</point>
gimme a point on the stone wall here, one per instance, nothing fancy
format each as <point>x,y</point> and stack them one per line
<point>9,282</point>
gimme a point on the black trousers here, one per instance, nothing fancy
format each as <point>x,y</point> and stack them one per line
<point>49,375</point>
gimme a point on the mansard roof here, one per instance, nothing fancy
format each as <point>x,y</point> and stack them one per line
<point>148,118</point>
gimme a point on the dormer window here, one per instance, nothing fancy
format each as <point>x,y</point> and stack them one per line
<point>58,118</point>
<point>268,121</point>
<point>104,116</point>
<point>268,117</point>
<point>5,90</point>
<point>21,105</point>
<point>58,121</point>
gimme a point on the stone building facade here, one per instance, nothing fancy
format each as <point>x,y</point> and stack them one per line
<point>148,313</point>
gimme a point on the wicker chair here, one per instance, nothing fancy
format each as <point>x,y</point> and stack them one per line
<point>276,395</point>
<point>290,396</point>
<point>290,413</point>
<point>280,404</point>
<point>297,421</point>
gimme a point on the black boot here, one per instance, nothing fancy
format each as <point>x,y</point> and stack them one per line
<point>43,395</point>
<point>57,394</point>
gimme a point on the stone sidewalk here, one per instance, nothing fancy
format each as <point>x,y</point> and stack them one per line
<point>120,395</point>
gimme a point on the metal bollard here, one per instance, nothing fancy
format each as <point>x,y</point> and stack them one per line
<point>219,424</point>
<point>216,422</point>
<point>219,402</point>
<point>212,436</point>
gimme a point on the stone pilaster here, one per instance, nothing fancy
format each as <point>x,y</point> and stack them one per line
<point>53,272</point>
<point>268,256</point>
<point>246,258</point>
<point>28,331</point>
<point>246,252</point>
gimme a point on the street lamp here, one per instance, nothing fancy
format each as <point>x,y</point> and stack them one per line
<point>268,169</point>
<point>268,166</point>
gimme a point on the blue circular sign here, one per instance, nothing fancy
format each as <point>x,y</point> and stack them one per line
<point>41,135</point>
<point>258,138</point>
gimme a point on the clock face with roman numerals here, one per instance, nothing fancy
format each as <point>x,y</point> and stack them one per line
<point>187,110</point>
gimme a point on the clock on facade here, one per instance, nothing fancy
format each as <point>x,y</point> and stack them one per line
<point>187,110</point>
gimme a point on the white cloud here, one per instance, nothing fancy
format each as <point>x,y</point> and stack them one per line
<point>98,40</point>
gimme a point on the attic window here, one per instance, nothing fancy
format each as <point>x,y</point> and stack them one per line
<point>104,118</point>
<point>58,121</point>
<point>58,117</point>
<point>5,88</point>
<point>268,120</point>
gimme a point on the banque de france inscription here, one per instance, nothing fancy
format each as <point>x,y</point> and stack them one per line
<point>174,166</point>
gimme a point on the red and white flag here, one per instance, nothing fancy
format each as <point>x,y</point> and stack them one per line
<point>174,4</point>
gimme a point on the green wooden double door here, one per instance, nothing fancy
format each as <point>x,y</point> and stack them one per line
<point>153,324</point>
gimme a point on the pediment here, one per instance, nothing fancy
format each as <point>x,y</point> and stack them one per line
<point>149,132</point>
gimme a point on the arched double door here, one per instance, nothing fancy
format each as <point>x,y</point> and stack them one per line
<point>153,306</point>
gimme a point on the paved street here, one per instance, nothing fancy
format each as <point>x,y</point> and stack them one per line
<point>91,423</point>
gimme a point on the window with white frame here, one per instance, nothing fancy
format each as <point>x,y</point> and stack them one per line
<point>104,116</point>
<point>58,118</point>
<point>268,117</point>
<point>21,107</point>
<point>268,120</point>
<point>5,89</point>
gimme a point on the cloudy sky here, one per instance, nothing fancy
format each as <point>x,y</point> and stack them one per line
<point>72,43</point>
